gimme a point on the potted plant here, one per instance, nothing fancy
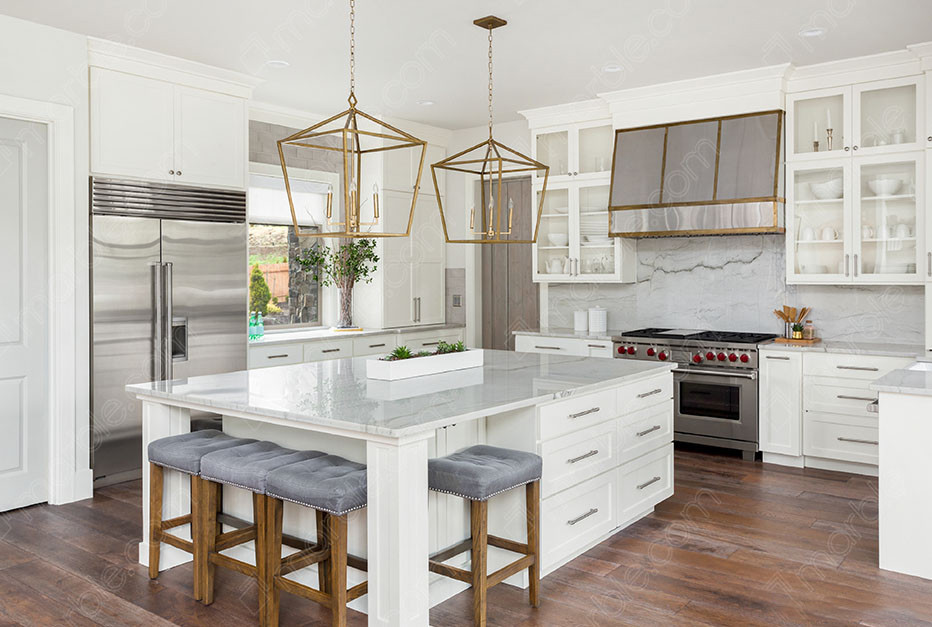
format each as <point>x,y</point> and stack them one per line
<point>353,260</point>
<point>797,331</point>
<point>401,363</point>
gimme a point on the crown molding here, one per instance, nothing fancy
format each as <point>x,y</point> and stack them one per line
<point>572,112</point>
<point>283,116</point>
<point>924,52</point>
<point>873,67</point>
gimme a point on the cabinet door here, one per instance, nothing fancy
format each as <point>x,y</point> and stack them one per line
<point>429,290</point>
<point>926,219</point>
<point>596,252</point>
<point>210,138</point>
<point>552,250</point>
<point>400,168</point>
<point>887,116</point>
<point>553,149</point>
<point>397,294</point>
<point>809,115</point>
<point>131,126</point>
<point>781,403</point>
<point>594,144</point>
<point>817,217</point>
<point>887,225</point>
<point>427,241</point>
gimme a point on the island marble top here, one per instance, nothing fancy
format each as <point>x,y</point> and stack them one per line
<point>337,394</point>
<point>905,381</point>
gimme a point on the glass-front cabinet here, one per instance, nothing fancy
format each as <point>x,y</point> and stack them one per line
<point>856,220</point>
<point>573,244</point>
<point>864,119</point>
<point>575,151</point>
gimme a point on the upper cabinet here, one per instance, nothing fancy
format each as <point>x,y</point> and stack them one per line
<point>209,147</point>
<point>864,119</point>
<point>582,150</point>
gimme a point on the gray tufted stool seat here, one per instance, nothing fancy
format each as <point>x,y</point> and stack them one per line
<point>182,453</point>
<point>478,473</point>
<point>248,466</point>
<point>332,486</point>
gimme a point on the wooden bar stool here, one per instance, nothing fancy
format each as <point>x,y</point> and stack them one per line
<point>332,486</point>
<point>477,474</point>
<point>245,467</point>
<point>184,454</point>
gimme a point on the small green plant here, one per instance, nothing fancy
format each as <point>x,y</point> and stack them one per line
<point>798,327</point>
<point>400,352</point>
<point>446,347</point>
<point>259,293</point>
<point>443,348</point>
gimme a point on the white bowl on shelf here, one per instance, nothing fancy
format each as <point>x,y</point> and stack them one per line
<point>598,240</point>
<point>558,239</point>
<point>829,190</point>
<point>885,186</point>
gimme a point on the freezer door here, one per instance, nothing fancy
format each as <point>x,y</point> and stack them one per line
<point>209,296</point>
<point>123,249</point>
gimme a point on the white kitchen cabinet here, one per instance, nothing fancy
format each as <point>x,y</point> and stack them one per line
<point>581,347</point>
<point>926,267</point>
<point>574,151</point>
<point>573,243</point>
<point>780,403</point>
<point>400,167</point>
<point>156,130</point>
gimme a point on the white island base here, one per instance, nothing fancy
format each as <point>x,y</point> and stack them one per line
<point>604,431</point>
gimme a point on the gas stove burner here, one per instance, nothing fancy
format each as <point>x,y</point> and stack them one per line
<point>733,337</point>
<point>671,334</point>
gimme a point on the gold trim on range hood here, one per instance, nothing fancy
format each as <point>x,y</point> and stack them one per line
<point>713,216</point>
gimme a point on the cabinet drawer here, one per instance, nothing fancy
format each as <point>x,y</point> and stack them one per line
<point>427,342</point>
<point>578,456</point>
<point>577,517</point>
<point>374,345</point>
<point>653,391</point>
<point>598,348</point>
<point>575,413</point>
<point>827,437</point>
<point>839,396</point>
<point>275,355</point>
<point>646,430</point>
<point>851,366</point>
<point>644,482</point>
<point>329,349</point>
<point>551,345</point>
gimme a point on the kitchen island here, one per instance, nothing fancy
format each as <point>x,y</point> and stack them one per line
<point>604,429</point>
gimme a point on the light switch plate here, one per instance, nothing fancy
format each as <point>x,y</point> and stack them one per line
<point>457,300</point>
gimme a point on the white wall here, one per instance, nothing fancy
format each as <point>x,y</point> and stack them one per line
<point>50,65</point>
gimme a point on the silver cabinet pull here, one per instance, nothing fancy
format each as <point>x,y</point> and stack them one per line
<point>930,264</point>
<point>776,357</point>
<point>596,346</point>
<point>648,482</point>
<point>583,456</point>
<point>172,172</point>
<point>549,348</point>
<point>845,397</point>
<point>651,393</point>
<point>430,343</point>
<point>857,441</point>
<point>277,356</point>
<point>855,266</point>
<point>594,510</point>
<point>641,434</point>
<point>377,345</point>
<point>178,172</point>
<point>864,368</point>
<point>580,414</point>
<point>874,407</point>
<point>846,256</point>
<point>331,350</point>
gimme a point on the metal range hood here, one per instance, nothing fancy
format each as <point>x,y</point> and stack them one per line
<point>717,176</point>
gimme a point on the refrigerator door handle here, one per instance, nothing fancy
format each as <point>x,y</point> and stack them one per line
<point>167,320</point>
<point>162,321</point>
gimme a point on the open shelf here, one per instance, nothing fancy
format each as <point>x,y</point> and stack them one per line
<point>816,201</point>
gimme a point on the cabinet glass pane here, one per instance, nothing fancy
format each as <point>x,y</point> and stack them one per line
<point>813,117</point>
<point>553,149</point>
<point>747,166</point>
<point>596,248</point>
<point>689,170</point>
<point>887,219</point>
<point>888,116</point>
<point>637,167</point>
<point>595,148</point>
<point>819,226</point>
<point>553,242</point>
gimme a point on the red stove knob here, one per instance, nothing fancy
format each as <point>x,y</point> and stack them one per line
<point>697,359</point>
<point>651,352</point>
<point>710,356</point>
<point>744,358</point>
<point>621,350</point>
<point>662,356</point>
<point>732,357</point>
<point>632,350</point>
<point>721,357</point>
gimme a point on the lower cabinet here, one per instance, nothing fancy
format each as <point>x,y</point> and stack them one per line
<point>781,403</point>
<point>579,347</point>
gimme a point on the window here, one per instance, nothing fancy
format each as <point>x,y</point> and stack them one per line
<point>278,286</point>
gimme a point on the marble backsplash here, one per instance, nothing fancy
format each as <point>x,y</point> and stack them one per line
<point>734,283</point>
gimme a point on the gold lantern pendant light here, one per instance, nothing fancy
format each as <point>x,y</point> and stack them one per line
<point>342,134</point>
<point>491,160</point>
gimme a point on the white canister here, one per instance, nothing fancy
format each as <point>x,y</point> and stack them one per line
<point>581,321</point>
<point>598,320</point>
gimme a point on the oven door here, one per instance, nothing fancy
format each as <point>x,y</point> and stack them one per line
<point>717,404</point>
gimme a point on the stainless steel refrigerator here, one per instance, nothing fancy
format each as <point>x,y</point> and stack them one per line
<point>169,301</point>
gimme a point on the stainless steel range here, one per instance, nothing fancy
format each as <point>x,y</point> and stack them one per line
<point>715,383</point>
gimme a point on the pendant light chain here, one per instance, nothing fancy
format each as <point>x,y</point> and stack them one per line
<point>352,54</point>
<point>490,82</point>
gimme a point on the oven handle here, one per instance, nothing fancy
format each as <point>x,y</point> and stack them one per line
<point>718,373</point>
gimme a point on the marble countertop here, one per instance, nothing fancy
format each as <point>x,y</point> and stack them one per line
<point>851,347</point>
<point>570,333</point>
<point>336,393</point>
<point>907,380</point>
<point>311,335</point>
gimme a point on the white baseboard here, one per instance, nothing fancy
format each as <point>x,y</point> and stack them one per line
<point>784,460</point>
<point>841,466</point>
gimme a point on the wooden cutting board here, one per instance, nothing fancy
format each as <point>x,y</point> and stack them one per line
<point>792,342</point>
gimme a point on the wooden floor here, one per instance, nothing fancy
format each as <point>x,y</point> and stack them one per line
<point>739,543</point>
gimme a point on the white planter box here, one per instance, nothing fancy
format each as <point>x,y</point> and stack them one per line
<point>376,368</point>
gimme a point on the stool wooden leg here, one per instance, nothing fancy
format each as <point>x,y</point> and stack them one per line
<point>323,539</point>
<point>274,542</point>
<point>197,542</point>
<point>260,512</point>
<point>155,518</point>
<point>338,540</point>
<point>479,523</point>
<point>533,541</point>
<point>208,541</point>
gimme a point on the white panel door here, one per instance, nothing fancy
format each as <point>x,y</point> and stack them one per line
<point>397,294</point>
<point>429,289</point>
<point>210,138</point>
<point>131,126</point>
<point>781,406</point>
<point>24,371</point>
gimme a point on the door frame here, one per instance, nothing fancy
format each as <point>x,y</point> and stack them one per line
<point>69,473</point>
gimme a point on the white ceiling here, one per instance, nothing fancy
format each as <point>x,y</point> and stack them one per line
<point>551,52</point>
